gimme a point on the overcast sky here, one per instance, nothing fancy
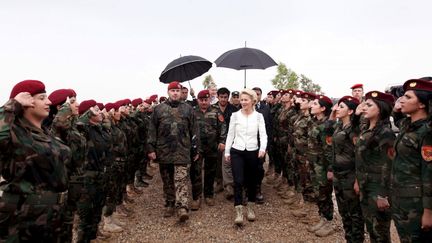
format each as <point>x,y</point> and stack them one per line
<point>110,49</point>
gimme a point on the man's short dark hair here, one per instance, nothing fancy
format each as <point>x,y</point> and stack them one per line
<point>223,90</point>
<point>257,89</point>
<point>184,87</point>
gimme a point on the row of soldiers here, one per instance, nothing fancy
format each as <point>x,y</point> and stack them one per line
<point>351,148</point>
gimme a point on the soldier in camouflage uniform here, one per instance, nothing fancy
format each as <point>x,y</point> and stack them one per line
<point>271,102</point>
<point>411,173</point>
<point>342,169</point>
<point>93,194</point>
<point>374,154</point>
<point>33,166</point>
<point>319,154</point>
<point>274,152</point>
<point>172,129</point>
<point>64,127</point>
<point>302,167</point>
<point>212,136</point>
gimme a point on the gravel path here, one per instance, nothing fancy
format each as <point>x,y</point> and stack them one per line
<point>215,224</point>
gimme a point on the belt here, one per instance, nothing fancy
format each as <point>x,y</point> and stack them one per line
<point>409,191</point>
<point>40,198</point>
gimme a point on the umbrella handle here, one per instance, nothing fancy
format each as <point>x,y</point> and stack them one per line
<point>190,87</point>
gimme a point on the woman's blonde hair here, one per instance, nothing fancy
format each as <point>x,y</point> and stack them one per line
<point>251,94</point>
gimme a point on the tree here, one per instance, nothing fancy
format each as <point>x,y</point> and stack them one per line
<point>208,80</point>
<point>309,86</point>
<point>285,78</point>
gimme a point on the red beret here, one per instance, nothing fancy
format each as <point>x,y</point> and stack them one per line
<point>86,105</point>
<point>204,94</point>
<point>127,102</point>
<point>32,86</point>
<point>298,92</point>
<point>162,99</point>
<point>376,95</point>
<point>120,103</point>
<point>109,106</point>
<point>356,86</point>
<point>137,102</point>
<point>59,96</point>
<point>153,97</point>
<point>418,84</point>
<point>308,95</point>
<point>148,101</point>
<point>100,105</point>
<point>174,85</point>
<point>350,101</point>
<point>325,99</point>
<point>282,92</point>
<point>273,92</point>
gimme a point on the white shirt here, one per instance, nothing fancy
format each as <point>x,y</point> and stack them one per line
<point>243,132</point>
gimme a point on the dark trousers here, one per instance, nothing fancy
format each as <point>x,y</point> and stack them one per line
<point>245,169</point>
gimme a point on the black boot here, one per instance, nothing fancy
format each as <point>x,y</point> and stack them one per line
<point>259,195</point>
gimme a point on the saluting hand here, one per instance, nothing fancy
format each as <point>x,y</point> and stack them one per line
<point>25,99</point>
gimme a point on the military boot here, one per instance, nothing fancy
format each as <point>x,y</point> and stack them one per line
<point>210,201</point>
<point>239,215</point>
<point>270,180</point>
<point>229,192</point>
<point>259,196</point>
<point>147,176</point>
<point>117,221</point>
<point>139,182</point>
<point>120,212</point>
<point>110,226</point>
<point>103,235</point>
<point>288,193</point>
<point>250,211</point>
<point>169,210</point>
<point>299,210</point>
<point>183,214</point>
<point>325,230</point>
<point>195,204</point>
<point>278,182</point>
<point>317,226</point>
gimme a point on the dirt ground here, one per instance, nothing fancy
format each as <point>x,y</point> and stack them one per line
<point>215,224</point>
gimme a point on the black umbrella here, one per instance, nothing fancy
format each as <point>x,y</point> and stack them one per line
<point>185,68</point>
<point>245,58</point>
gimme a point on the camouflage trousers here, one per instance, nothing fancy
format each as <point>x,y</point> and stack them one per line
<point>377,221</point>
<point>90,207</point>
<point>302,176</point>
<point>29,222</point>
<point>407,213</point>
<point>227,176</point>
<point>349,207</point>
<point>323,189</point>
<point>175,184</point>
<point>209,163</point>
<point>116,186</point>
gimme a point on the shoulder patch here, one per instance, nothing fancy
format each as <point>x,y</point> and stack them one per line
<point>391,153</point>
<point>426,152</point>
<point>329,140</point>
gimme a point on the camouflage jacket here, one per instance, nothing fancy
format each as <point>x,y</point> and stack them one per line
<point>343,149</point>
<point>300,133</point>
<point>274,115</point>
<point>319,142</point>
<point>411,174</point>
<point>142,120</point>
<point>130,128</point>
<point>227,112</point>
<point>99,144</point>
<point>119,142</point>
<point>171,131</point>
<point>64,126</point>
<point>212,128</point>
<point>31,159</point>
<point>374,153</point>
<point>285,125</point>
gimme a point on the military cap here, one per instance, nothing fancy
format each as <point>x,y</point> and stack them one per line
<point>324,99</point>
<point>153,97</point>
<point>273,92</point>
<point>174,85</point>
<point>282,92</point>
<point>376,95</point>
<point>100,105</point>
<point>357,86</point>
<point>32,86</point>
<point>110,106</point>
<point>235,93</point>
<point>148,101</point>
<point>137,102</point>
<point>418,84</point>
<point>204,94</point>
<point>298,92</point>
<point>350,101</point>
<point>308,95</point>
<point>120,103</point>
<point>86,105</point>
<point>59,96</point>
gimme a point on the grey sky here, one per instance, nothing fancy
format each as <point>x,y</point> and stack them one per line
<point>108,50</point>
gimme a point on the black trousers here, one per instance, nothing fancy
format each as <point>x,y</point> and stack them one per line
<point>245,170</point>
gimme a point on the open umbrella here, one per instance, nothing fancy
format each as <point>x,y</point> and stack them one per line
<point>184,69</point>
<point>245,58</point>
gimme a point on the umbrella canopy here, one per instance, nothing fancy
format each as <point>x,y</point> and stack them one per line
<point>185,68</point>
<point>245,58</point>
